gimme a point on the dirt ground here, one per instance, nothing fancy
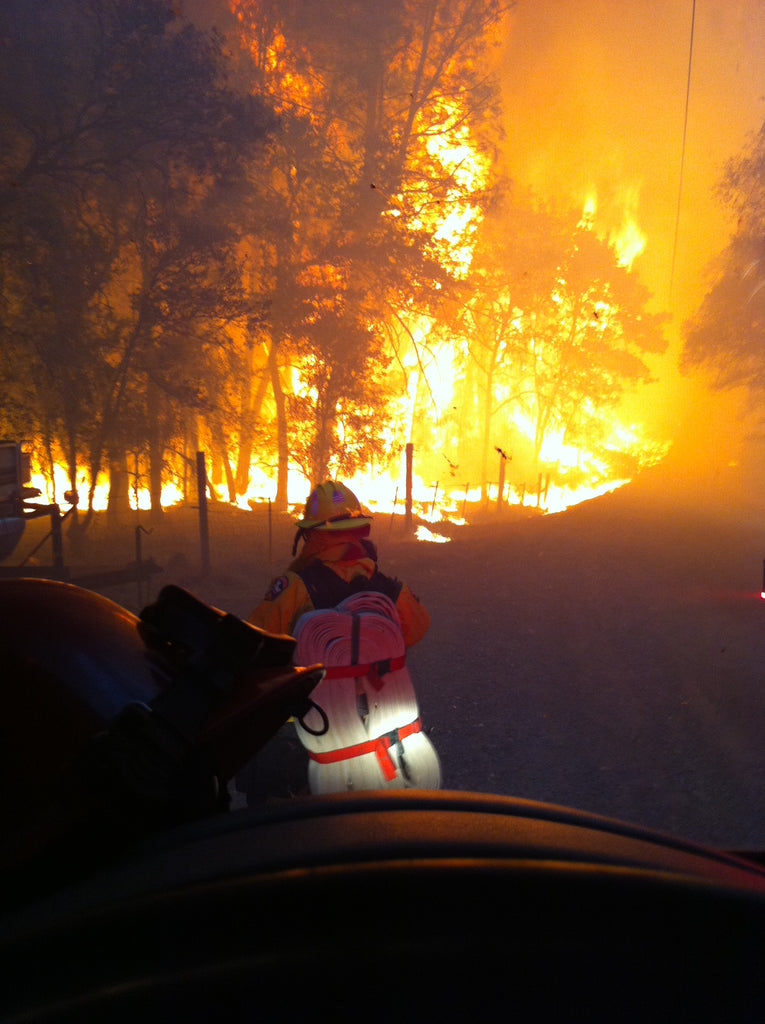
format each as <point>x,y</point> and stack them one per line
<point>607,658</point>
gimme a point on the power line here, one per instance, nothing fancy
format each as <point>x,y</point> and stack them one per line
<point>682,155</point>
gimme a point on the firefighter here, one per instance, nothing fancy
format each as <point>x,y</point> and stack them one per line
<point>337,559</point>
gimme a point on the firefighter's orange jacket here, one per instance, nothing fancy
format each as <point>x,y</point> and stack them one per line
<point>287,597</point>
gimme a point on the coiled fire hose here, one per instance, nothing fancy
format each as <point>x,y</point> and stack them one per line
<point>375,738</point>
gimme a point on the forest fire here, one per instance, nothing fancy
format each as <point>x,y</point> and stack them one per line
<point>483,261</point>
<point>375,281</point>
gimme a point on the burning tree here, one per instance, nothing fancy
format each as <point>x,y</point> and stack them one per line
<point>362,196</point>
<point>309,293</point>
<point>383,178</point>
<point>555,331</point>
<point>118,136</point>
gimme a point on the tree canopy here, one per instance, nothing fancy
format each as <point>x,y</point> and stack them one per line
<point>120,147</point>
<point>291,245</point>
<point>725,335</point>
<point>555,331</point>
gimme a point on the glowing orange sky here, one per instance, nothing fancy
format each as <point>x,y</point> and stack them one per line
<point>595,98</point>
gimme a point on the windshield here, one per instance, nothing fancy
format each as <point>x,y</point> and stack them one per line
<point>495,272</point>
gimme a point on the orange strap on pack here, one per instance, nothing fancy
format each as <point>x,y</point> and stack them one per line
<point>375,670</point>
<point>379,746</point>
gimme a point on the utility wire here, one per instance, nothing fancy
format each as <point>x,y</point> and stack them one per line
<point>682,155</point>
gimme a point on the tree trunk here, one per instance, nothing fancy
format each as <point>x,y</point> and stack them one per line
<point>326,418</point>
<point>248,417</point>
<point>76,523</point>
<point>48,445</point>
<point>416,94</point>
<point>119,484</point>
<point>485,452</point>
<point>282,470</point>
<point>320,454</point>
<point>156,450</point>
<point>190,448</point>
<point>222,459</point>
<point>488,412</point>
<point>242,473</point>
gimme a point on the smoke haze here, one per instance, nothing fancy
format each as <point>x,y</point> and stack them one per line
<point>595,97</point>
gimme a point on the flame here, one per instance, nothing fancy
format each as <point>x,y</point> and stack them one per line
<point>627,240</point>
<point>431,363</point>
<point>140,498</point>
<point>588,211</point>
<point>51,489</point>
<point>430,367</point>
<point>382,493</point>
<point>287,88</point>
<point>450,154</point>
<point>423,533</point>
<point>556,455</point>
<point>455,220</point>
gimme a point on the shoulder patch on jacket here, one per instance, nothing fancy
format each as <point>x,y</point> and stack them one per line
<point>279,585</point>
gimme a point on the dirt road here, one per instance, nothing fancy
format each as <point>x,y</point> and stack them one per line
<point>609,658</point>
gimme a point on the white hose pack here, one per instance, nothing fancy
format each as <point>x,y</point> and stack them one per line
<point>374,740</point>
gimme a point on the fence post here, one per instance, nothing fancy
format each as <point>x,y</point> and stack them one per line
<point>393,510</point>
<point>435,495</point>
<point>270,535</point>
<point>408,513</point>
<point>56,541</point>
<point>204,535</point>
<point>501,489</point>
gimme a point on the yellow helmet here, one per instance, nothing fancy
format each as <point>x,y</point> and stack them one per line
<point>333,506</point>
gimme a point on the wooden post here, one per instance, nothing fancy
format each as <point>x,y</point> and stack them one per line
<point>139,560</point>
<point>204,535</point>
<point>408,506</point>
<point>435,494</point>
<point>393,510</point>
<point>270,536</point>
<point>56,540</point>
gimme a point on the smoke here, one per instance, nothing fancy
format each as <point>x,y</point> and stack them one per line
<point>595,101</point>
